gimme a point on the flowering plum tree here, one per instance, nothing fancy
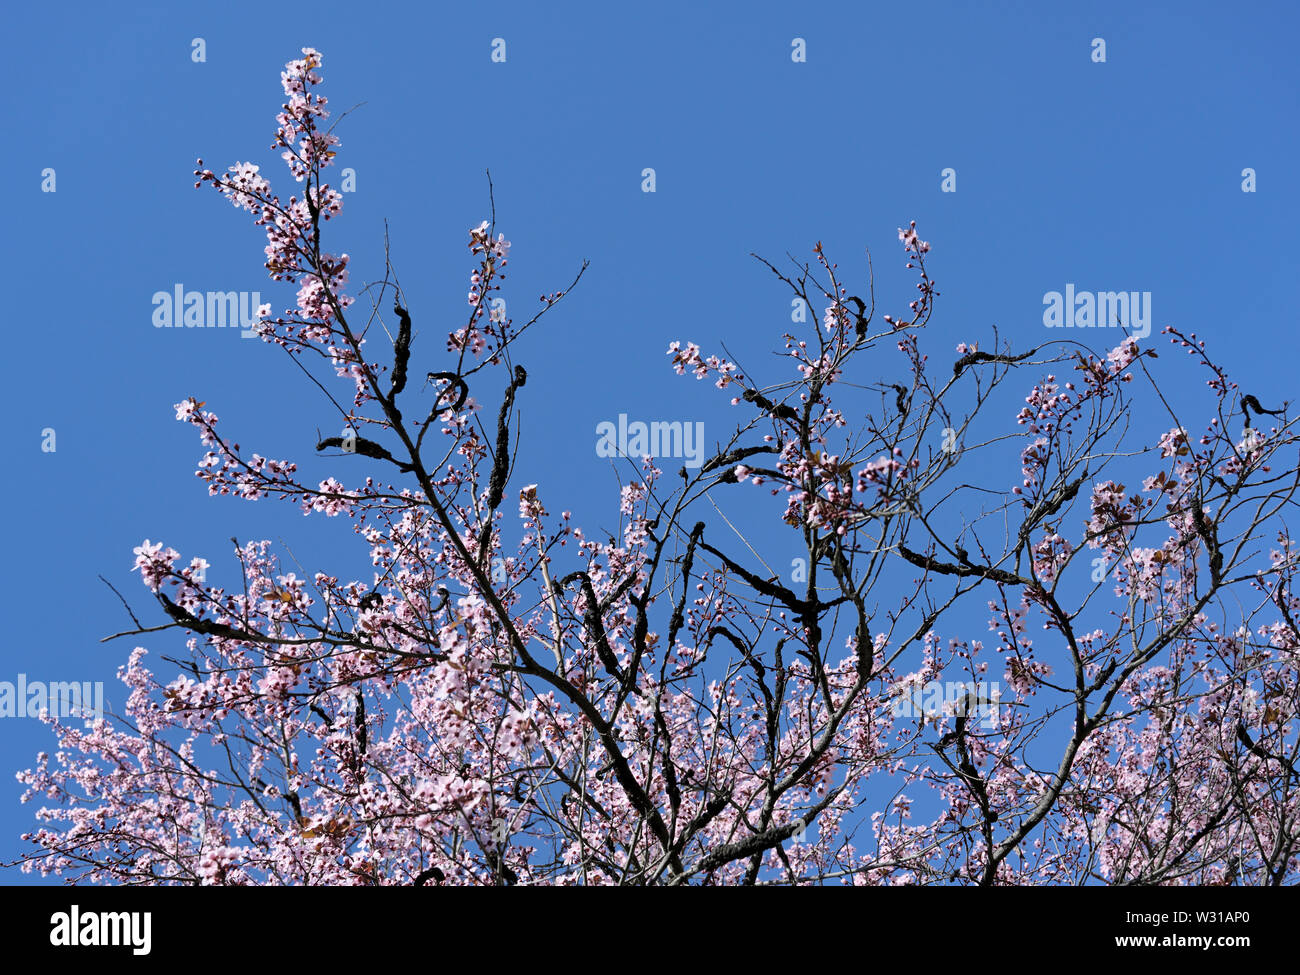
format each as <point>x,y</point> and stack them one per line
<point>518,703</point>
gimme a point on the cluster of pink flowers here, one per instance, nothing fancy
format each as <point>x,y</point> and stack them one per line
<point>689,358</point>
<point>292,227</point>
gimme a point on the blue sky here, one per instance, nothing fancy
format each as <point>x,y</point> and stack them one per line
<point>1123,175</point>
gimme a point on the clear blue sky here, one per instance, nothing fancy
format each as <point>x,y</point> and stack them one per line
<point>1117,176</point>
